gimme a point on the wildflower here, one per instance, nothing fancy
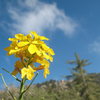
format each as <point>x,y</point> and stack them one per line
<point>30,49</point>
<point>29,43</point>
<point>28,72</point>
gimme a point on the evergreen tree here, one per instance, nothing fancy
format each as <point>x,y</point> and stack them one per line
<point>81,83</point>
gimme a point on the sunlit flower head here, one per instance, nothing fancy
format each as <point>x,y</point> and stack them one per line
<point>31,49</point>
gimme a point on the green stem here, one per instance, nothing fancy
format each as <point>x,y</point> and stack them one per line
<point>7,87</point>
<point>31,83</point>
<point>21,89</point>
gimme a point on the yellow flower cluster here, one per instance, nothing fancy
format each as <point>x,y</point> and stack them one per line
<point>30,49</point>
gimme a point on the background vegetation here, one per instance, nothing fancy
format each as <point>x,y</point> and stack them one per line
<point>80,85</point>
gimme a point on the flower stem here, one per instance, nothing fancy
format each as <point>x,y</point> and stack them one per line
<point>30,83</point>
<point>21,89</point>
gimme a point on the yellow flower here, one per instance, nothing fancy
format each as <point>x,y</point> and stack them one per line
<point>28,73</point>
<point>32,43</point>
<point>31,49</point>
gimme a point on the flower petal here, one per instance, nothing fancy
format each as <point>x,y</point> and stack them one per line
<point>21,44</point>
<point>32,49</point>
<point>23,72</point>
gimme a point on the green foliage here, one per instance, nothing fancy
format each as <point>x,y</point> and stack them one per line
<point>57,90</point>
<point>78,86</point>
<point>83,85</point>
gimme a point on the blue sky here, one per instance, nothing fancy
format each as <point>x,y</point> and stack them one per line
<point>71,25</point>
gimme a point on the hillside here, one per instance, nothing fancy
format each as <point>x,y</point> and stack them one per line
<point>52,90</point>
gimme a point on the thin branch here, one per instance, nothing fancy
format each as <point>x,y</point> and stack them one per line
<point>7,87</point>
<point>12,75</point>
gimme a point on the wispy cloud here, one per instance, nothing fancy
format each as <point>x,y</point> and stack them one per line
<point>95,47</point>
<point>40,17</point>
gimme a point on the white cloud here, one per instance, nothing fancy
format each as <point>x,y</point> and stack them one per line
<point>40,17</point>
<point>95,47</point>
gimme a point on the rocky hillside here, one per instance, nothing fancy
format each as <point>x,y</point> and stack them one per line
<point>52,90</point>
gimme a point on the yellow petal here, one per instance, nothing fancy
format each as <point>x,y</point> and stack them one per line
<point>30,76</point>
<point>51,51</point>
<point>48,57</point>
<point>43,38</point>
<point>35,42</point>
<point>29,37</point>
<point>35,35</point>
<point>32,49</point>
<point>21,44</point>
<point>13,44</point>
<point>30,73</point>
<point>12,39</point>
<point>47,49</point>
<point>30,68</point>
<point>19,36</point>
<point>38,53</point>
<point>46,72</point>
<point>23,72</point>
<point>13,51</point>
<point>43,62</point>
<point>46,63</point>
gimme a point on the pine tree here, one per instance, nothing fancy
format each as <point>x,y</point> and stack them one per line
<point>81,83</point>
